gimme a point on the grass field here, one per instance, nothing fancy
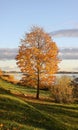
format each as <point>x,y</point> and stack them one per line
<point>19,112</point>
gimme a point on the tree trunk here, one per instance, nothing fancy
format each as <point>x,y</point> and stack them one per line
<point>37,95</point>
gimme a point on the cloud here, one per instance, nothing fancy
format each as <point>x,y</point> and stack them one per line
<point>65,53</point>
<point>68,53</point>
<point>8,65</point>
<point>69,65</point>
<point>65,33</point>
<point>7,53</point>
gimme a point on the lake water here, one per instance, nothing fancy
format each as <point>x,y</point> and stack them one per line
<point>18,76</point>
<point>65,65</point>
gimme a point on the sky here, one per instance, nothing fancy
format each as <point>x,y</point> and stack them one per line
<point>65,65</point>
<point>18,16</point>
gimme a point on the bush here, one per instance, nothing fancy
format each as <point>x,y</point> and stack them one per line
<point>9,78</point>
<point>62,91</point>
<point>74,83</point>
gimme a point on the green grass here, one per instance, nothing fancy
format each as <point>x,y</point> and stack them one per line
<point>22,90</point>
<point>17,113</point>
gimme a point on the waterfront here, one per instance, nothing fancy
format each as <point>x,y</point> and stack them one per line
<point>64,66</point>
<point>18,75</point>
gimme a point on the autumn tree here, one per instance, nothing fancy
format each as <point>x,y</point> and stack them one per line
<point>1,73</point>
<point>37,59</point>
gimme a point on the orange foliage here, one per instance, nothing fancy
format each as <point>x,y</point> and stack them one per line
<point>1,73</point>
<point>62,91</point>
<point>38,58</point>
<point>9,78</point>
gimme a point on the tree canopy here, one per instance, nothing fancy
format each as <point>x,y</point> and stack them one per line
<point>38,59</point>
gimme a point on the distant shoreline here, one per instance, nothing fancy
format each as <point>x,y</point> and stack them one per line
<point>66,72</point>
<point>60,72</point>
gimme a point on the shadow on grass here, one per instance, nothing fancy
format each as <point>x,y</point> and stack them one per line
<point>39,115</point>
<point>4,91</point>
<point>16,110</point>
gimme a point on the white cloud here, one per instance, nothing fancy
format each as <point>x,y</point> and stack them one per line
<point>69,65</point>
<point>8,65</point>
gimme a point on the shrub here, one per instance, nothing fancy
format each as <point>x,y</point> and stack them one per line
<point>74,83</point>
<point>62,91</point>
<point>9,78</point>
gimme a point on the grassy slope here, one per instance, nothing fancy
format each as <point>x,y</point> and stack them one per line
<point>24,114</point>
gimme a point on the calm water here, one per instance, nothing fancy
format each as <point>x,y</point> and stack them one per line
<point>65,65</point>
<point>18,76</point>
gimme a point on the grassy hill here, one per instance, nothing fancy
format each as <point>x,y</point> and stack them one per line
<point>18,112</point>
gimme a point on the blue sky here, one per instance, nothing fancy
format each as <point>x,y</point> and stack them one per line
<point>17,17</point>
